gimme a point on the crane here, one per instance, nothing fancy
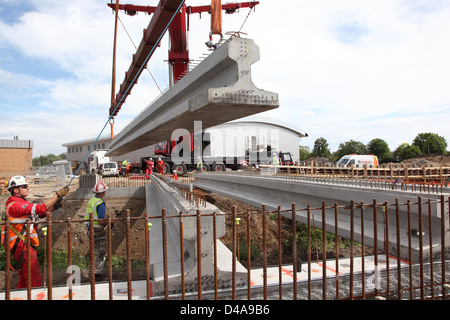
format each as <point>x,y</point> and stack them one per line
<point>178,51</point>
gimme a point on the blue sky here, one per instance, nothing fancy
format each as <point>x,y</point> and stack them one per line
<point>343,69</point>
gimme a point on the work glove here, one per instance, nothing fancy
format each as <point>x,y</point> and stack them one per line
<point>59,204</point>
<point>62,192</point>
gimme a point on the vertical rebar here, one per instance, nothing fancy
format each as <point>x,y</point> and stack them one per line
<point>336,248</point>
<point>386,249</point>
<point>128,245</point>
<point>309,249</point>
<point>28,264</point>
<point>422,293</point>
<point>264,223</point>
<point>69,255</point>
<point>408,208</point>
<point>324,251</point>
<point>199,255</point>
<point>430,238</point>
<point>249,258</point>
<point>109,255</point>
<point>216,288</point>
<point>49,258</point>
<point>183,288</point>
<point>7,259</point>
<point>280,255</point>
<point>375,243</point>
<point>147,256</point>
<point>444,221</point>
<point>399,270</point>
<point>166,272</point>
<point>352,245</point>
<point>233,255</point>
<point>363,252</point>
<point>294,248</point>
<point>91,254</point>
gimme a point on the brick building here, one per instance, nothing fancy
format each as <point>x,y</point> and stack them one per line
<point>15,157</point>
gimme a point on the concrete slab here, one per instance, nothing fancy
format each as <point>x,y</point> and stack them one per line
<point>218,90</point>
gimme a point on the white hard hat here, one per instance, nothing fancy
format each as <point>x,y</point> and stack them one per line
<point>16,181</point>
<point>159,159</point>
<point>100,188</point>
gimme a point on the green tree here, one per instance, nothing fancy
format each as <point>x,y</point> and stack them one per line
<point>380,148</point>
<point>304,153</point>
<point>430,143</point>
<point>321,148</point>
<point>350,147</point>
<point>406,151</point>
<point>46,160</point>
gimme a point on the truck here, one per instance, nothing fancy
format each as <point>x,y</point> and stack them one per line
<point>182,155</point>
<point>96,158</point>
<point>358,160</point>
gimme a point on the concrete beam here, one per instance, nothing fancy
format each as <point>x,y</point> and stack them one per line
<point>218,90</point>
<point>258,190</point>
<point>161,195</point>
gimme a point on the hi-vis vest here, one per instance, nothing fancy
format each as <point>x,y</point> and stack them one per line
<point>18,231</point>
<point>92,207</point>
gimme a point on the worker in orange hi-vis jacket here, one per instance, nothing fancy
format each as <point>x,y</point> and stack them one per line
<point>18,210</point>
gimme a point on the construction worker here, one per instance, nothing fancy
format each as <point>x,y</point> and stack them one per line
<point>150,164</point>
<point>160,166</point>
<point>199,164</point>
<point>175,175</point>
<point>97,206</point>
<point>18,209</point>
<point>275,160</point>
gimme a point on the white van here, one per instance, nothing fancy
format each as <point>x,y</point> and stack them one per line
<point>358,160</point>
<point>109,169</point>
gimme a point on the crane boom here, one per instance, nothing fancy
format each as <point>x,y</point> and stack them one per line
<point>178,53</point>
<point>157,27</point>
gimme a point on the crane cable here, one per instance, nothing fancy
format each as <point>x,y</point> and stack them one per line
<point>126,31</point>
<point>125,94</point>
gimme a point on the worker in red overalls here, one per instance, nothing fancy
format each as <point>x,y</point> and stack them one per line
<point>160,166</point>
<point>18,209</point>
<point>150,164</point>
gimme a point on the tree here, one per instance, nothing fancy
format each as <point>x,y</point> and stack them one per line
<point>350,147</point>
<point>46,160</point>
<point>430,143</point>
<point>321,148</point>
<point>304,153</point>
<point>380,148</point>
<point>406,151</point>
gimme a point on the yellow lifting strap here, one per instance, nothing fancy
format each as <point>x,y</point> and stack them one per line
<point>216,17</point>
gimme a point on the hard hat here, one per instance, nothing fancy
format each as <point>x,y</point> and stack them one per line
<point>16,181</point>
<point>100,188</point>
<point>159,159</point>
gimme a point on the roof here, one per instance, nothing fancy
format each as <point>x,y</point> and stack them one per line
<point>275,122</point>
<point>87,141</point>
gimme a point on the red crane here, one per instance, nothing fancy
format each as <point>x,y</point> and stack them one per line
<point>178,52</point>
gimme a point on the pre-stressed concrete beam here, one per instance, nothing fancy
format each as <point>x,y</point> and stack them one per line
<point>218,90</point>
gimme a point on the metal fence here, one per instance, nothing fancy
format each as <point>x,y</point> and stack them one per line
<point>386,277</point>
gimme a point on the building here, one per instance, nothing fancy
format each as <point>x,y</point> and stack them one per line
<point>233,138</point>
<point>16,157</point>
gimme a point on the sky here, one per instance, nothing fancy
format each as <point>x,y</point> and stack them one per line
<point>344,70</point>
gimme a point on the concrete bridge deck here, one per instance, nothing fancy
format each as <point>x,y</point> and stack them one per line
<point>273,192</point>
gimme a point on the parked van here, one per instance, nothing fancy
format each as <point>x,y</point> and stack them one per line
<point>358,160</point>
<point>109,169</point>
